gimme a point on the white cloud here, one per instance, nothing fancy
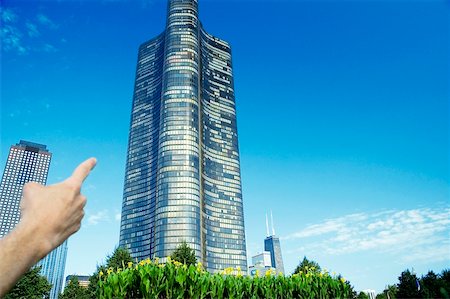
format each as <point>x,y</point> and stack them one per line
<point>44,20</point>
<point>8,16</point>
<point>329,226</point>
<point>11,36</point>
<point>118,216</point>
<point>32,29</point>
<point>49,48</point>
<point>430,254</point>
<point>22,36</point>
<point>98,217</point>
<point>418,234</point>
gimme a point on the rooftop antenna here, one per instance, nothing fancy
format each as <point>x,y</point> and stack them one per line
<point>267,225</point>
<point>271,219</point>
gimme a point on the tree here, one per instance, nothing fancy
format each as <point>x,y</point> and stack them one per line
<point>389,292</point>
<point>445,279</point>
<point>184,254</point>
<point>31,285</point>
<point>362,295</point>
<point>73,290</point>
<point>119,259</point>
<point>430,285</point>
<point>408,286</point>
<point>307,266</point>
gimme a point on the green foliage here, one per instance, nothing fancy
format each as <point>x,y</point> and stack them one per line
<point>184,254</point>
<point>307,266</point>
<point>362,295</point>
<point>31,285</point>
<point>435,285</point>
<point>431,285</point>
<point>445,277</point>
<point>149,279</point>
<point>408,285</point>
<point>389,292</point>
<point>73,290</point>
<point>119,258</point>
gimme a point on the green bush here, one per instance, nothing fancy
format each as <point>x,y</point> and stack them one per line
<point>150,279</point>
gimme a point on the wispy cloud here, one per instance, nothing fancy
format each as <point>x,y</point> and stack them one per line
<point>11,36</point>
<point>98,217</point>
<point>23,36</point>
<point>418,234</point>
<point>49,48</point>
<point>32,29</point>
<point>118,216</point>
<point>44,20</point>
<point>8,15</point>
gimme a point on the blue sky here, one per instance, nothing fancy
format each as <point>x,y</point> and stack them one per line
<point>343,119</point>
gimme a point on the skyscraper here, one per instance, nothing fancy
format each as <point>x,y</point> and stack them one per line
<point>53,266</point>
<point>29,162</point>
<point>272,245</point>
<point>182,179</point>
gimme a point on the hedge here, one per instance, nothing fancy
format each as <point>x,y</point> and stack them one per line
<point>151,279</point>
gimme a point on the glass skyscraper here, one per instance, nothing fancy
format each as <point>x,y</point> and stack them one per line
<point>53,266</point>
<point>182,180</point>
<point>272,245</point>
<point>29,162</point>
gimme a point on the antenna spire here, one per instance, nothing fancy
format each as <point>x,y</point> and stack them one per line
<point>271,219</point>
<point>267,225</point>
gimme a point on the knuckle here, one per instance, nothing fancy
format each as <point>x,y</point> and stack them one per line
<point>77,227</point>
<point>75,188</point>
<point>29,186</point>
<point>83,200</point>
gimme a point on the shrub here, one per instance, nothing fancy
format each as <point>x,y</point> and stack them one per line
<point>150,279</point>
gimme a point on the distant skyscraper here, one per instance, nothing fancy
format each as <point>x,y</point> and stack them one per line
<point>83,280</point>
<point>272,245</point>
<point>53,266</point>
<point>29,162</point>
<point>261,263</point>
<point>182,180</point>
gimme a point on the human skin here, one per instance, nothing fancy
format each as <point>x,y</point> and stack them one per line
<point>49,215</point>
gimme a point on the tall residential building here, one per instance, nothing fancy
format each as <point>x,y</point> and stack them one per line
<point>182,179</point>
<point>272,245</point>
<point>29,162</point>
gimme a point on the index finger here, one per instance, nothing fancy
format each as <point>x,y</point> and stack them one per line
<point>82,171</point>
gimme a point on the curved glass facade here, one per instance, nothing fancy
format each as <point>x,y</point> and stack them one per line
<point>182,177</point>
<point>139,198</point>
<point>223,210</point>
<point>178,185</point>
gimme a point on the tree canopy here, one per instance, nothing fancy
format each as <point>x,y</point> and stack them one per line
<point>307,266</point>
<point>184,254</point>
<point>408,286</point>
<point>389,292</point>
<point>119,259</point>
<point>431,285</point>
<point>31,285</point>
<point>73,290</point>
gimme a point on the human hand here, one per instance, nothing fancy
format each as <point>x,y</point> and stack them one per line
<point>54,212</point>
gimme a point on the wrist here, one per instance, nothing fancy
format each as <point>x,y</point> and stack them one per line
<point>33,236</point>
